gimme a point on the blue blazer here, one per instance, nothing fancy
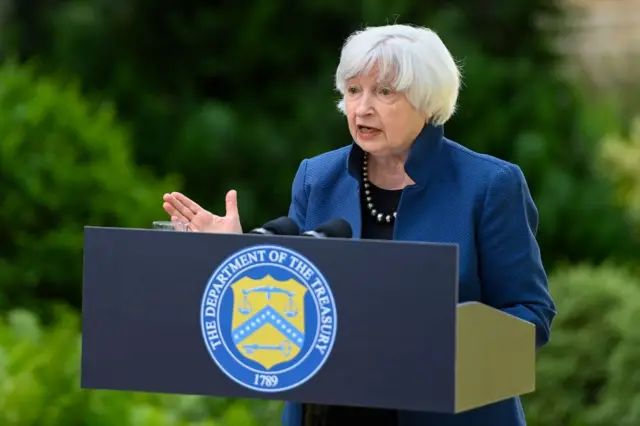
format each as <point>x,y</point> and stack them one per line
<point>477,201</point>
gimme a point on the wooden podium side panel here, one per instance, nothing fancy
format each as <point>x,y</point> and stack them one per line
<point>495,356</point>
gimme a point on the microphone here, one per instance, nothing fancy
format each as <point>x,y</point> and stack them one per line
<point>280,226</point>
<point>335,228</point>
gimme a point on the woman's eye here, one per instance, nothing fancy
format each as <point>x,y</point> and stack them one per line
<point>353,89</point>
<point>386,91</point>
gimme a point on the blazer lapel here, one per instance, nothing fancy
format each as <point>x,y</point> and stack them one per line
<point>351,208</point>
<point>413,212</point>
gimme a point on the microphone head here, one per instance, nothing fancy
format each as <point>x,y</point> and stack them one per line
<point>282,226</point>
<point>335,228</point>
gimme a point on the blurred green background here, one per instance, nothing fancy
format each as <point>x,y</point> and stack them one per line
<point>107,104</point>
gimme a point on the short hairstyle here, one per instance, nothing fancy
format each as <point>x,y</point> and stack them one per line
<point>413,59</point>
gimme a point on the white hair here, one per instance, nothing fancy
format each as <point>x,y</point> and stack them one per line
<point>413,59</point>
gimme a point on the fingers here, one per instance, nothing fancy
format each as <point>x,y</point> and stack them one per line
<point>174,213</point>
<point>175,207</point>
<point>231,202</point>
<point>184,209</point>
<point>188,202</point>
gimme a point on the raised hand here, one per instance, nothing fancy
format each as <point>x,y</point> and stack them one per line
<point>182,208</point>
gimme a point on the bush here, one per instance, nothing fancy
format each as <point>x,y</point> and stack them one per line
<point>40,385</point>
<point>64,163</point>
<point>620,160</point>
<point>587,375</point>
<point>243,114</point>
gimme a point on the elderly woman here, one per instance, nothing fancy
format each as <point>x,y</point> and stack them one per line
<point>402,179</point>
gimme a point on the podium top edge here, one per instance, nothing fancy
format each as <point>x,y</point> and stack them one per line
<point>290,237</point>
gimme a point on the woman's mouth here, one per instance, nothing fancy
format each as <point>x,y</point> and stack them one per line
<point>368,132</point>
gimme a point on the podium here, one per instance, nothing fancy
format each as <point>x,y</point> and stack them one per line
<point>332,321</point>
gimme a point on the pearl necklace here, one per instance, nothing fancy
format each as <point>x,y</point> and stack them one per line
<point>380,217</point>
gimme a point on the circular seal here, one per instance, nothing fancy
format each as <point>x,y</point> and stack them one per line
<point>268,318</point>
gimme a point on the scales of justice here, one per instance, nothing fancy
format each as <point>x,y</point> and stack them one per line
<point>291,311</point>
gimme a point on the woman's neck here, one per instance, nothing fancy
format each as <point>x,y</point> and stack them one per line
<point>387,172</point>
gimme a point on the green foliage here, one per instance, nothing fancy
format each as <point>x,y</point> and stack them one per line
<point>587,375</point>
<point>40,386</point>
<point>64,163</point>
<point>239,105</point>
<point>620,159</point>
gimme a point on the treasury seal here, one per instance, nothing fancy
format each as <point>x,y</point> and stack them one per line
<point>268,318</point>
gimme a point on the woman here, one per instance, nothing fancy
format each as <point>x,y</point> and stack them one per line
<point>402,179</point>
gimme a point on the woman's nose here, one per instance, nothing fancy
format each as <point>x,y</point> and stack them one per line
<point>364,105</point>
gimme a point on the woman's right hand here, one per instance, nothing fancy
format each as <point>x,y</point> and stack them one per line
<point>182,208</point>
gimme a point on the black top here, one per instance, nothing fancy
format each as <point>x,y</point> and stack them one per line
<point>386,202</point>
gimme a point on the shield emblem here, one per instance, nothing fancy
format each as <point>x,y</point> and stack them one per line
<point>268,319</point>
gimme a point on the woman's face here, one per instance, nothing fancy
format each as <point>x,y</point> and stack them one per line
<point>381,121</point>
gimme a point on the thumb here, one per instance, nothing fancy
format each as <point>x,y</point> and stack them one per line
<point>231,201</point>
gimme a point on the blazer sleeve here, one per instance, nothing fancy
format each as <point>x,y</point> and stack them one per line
<point>299,196</point>
<point>513,277</point>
